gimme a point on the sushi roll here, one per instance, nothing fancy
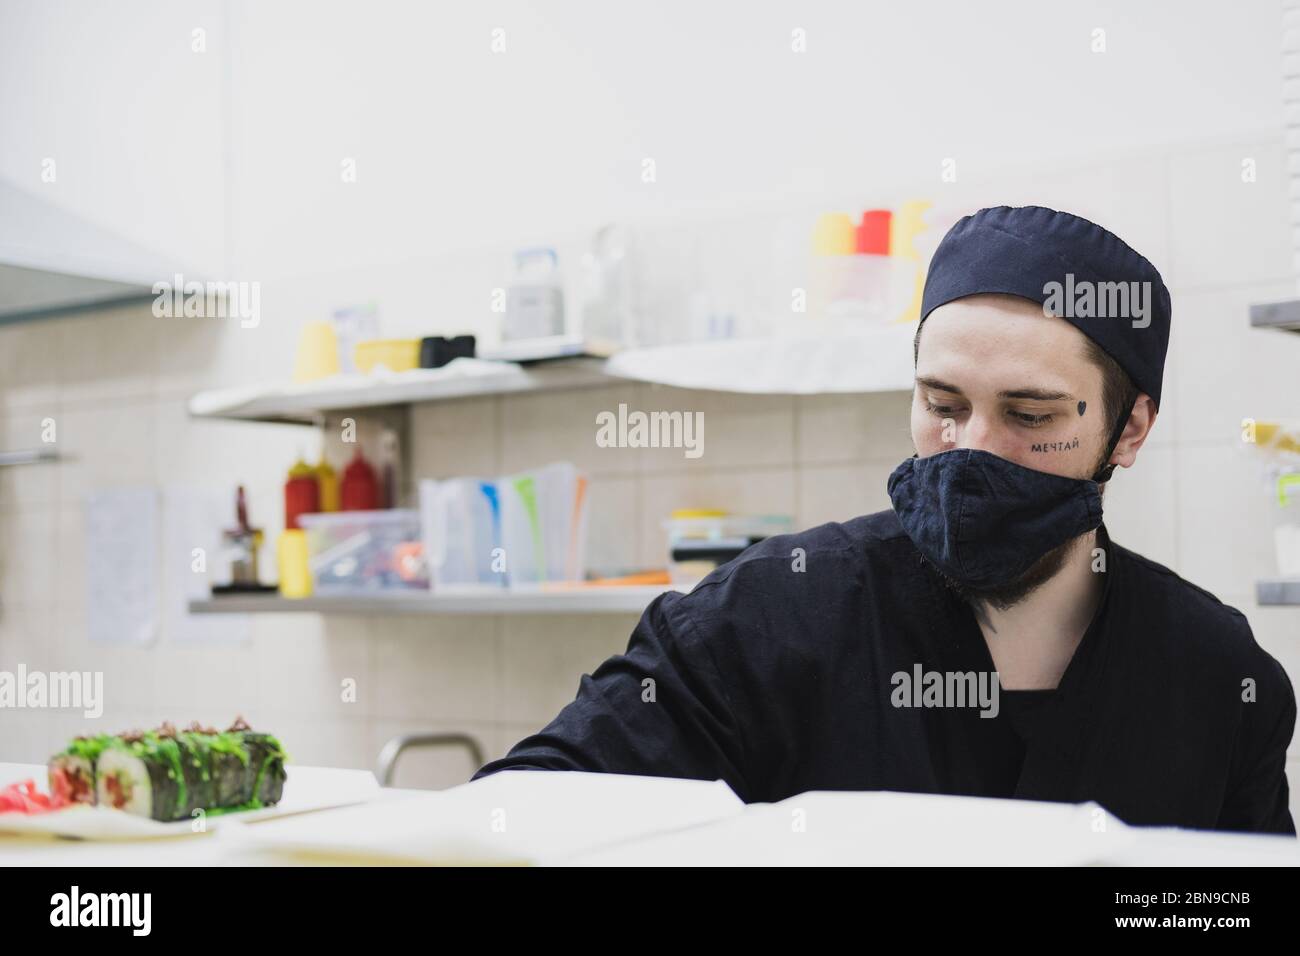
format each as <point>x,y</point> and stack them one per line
<point>165,774</point>
<point>72,779</point>
<point>135,783</point>
<point>72,773</point>
<point>142,774</point>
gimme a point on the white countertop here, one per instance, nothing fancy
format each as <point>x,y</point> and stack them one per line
<point>607,819</point>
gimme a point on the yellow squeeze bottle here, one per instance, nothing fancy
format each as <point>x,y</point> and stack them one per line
<point>903,230</point>
<point>834,235</point>
<point>295,571</point>
<point>327,480</point>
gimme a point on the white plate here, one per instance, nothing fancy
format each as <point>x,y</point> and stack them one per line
<point>305,789</point>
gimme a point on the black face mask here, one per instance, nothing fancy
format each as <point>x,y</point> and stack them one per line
<point>983,520</point>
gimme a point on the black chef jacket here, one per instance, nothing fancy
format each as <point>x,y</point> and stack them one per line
<point>776,674</point>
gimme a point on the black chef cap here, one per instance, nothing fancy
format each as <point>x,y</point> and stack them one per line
<point>1074,266</point>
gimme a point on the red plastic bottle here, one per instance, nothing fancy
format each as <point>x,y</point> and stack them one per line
<point>360,487</point>
<point>872,236</point>
<point>301,494</point>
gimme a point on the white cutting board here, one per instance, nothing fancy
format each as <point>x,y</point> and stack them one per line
<point>512,817</point>
<point>882,828</point>
<point>305,789</point>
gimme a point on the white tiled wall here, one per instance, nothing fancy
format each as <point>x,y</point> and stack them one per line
<point>115,383</point>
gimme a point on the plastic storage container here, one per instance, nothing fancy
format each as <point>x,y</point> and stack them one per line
<point>1286,525</point>
<point>520,530</point>
<point>365,552</point>
<point>1276,446</point>
<point>535,299</point>
<point>396,355</point>
<point>462,532</point>
<point>544,525</point>
<point>701,540</point>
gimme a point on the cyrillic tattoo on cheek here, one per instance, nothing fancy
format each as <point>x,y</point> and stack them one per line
<point>1054,446</point>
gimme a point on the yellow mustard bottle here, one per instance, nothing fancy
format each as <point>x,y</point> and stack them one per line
<point>327,479</point>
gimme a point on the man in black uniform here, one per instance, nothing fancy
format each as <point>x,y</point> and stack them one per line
<point>985,637</point>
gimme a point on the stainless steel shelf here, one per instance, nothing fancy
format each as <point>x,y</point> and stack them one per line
<point>1278,591</point>
<point>585,600</point>
<point>874,360</point>
<point>310,404</point>
<point>32,456</point>
<point>1276,315</point>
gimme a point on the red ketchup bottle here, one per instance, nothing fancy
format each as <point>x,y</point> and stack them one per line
<point>301,494</point>
<point>359,490</point>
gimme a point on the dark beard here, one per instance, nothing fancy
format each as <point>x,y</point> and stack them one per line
<point>1008,595</point>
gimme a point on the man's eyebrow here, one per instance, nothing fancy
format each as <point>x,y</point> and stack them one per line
<point>937,385</point>
<point>1035,394</point>
<point>1038,394</point>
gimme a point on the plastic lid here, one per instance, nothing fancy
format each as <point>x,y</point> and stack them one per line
<point>536,262</point>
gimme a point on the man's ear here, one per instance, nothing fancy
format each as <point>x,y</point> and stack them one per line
<point>1140,422</point>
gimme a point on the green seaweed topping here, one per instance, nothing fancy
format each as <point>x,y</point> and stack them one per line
<point>273,752</point>
<point>89,748</point>
<point>254,804</point>
<point>169,750</point>
<point>229,742</point>
<point>200,748</point>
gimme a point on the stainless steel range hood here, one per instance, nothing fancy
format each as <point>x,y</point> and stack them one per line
<point>52,260</point>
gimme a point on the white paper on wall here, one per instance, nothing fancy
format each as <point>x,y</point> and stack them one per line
<point>193,559</point>
<point>122,535</point>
